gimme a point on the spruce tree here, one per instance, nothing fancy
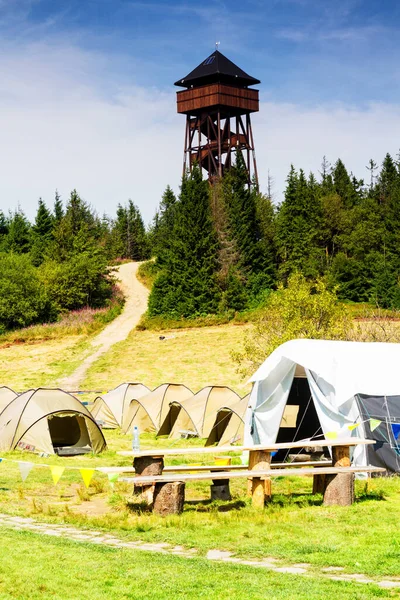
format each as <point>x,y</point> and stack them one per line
<point>18,238</point>
<point>58,210</point>
<point>187,285</point>
<point>42,233</point>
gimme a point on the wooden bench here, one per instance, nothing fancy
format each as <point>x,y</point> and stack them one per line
<point>338,485</point>
<point>174,494</point>
<point>220,488</point>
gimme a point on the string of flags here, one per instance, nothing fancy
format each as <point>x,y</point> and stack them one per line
<point>373,424</point>
<point>25,467</point>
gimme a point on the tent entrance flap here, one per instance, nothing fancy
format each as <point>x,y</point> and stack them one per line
<point>300,420</point>
<point>170,419</point>
<point>69,434</point>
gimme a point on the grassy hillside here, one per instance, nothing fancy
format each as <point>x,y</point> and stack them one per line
<point>195,357</point>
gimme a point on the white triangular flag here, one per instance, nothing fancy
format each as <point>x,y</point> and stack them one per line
<point>25,468</point>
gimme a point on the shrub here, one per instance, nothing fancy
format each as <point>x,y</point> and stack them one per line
<point>303,309</point>
<point>23,300</point>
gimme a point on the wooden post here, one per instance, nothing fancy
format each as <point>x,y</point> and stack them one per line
<point>260,489</point>
<point>147,465</point>
<point>169,498</point>
<point>339,489</point>
<point>318,484</point>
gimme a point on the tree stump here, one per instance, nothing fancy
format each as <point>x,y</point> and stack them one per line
<point>260,489</point>
<point>169,498</point>
<point>220,490</point>
<point>339,489</point>
<point>318,484</point>
<point>147,465</point>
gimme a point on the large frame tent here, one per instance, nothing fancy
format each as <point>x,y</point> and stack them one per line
<point>197,414</point>
<point>50,421</point>
<point>354,390</point>
<point>149,411</point>
<point>6,396</point>
<point>112,409</point>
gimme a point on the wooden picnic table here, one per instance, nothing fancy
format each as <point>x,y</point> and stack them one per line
<point>150,463</point>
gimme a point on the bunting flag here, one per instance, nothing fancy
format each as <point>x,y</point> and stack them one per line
<point>396,430</point>
<point>112,478</point>
<point>374,423</point>
<point>87,475</point>
<point>353,426</point>
<point>331,435</point>
<point>56,473</point>
<point>25,468</point>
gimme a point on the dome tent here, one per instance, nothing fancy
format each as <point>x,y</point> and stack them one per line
<point>150,411</point>
<point>7,395</point>
<point>354,390</point>
<point>228,427</point>
<point>112,409</point>
<point>197,414</point>
<point>50,421</point>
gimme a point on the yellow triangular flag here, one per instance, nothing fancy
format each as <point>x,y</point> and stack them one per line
<point>87,475</point>
<point>351,427</point>
<point>56,473</point>
<point>374,423</point>
<point>331,435</point>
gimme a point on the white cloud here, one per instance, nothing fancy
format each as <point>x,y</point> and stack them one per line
<point>68,121</point>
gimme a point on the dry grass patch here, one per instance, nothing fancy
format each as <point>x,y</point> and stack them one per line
<point>23,366</point>
<point>194,357</point>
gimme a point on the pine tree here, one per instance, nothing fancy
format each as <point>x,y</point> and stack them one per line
<point>18,238</point>
<point>187,285</point>
<point>255,261</point>
<point>58,208</point>
<point>42,233</point>
<point>299,227</point>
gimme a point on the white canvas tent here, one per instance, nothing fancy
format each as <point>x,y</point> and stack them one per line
<point>50,421</point>
<point>197,414</point>
<point>6,396</point>
<point>112,409</point>
<point>149,411</point>
<point>338,374</point>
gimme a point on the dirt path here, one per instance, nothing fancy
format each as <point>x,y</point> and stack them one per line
<point>136,295</point>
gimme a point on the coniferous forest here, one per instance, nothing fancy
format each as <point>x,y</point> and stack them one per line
<point>218,249</point>
<point>224,247</point>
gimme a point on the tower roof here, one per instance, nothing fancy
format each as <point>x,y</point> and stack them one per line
<point>216,68</point>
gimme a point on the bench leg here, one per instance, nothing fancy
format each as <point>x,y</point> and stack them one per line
<point>260,489</point>
<point>147,465</point>
<point>220,490</point>
<point>339,489</point>
<point>318,484</point>
<point>169,498</point>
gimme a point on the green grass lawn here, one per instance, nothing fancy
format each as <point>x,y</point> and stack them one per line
<point>294,528</point>
<point>34,567</point>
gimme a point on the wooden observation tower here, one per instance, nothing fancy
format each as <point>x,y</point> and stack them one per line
<point>218,103</point>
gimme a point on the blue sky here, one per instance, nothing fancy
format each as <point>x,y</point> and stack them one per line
<point>87,97</point>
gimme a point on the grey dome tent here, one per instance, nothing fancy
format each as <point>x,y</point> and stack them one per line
<point>112,409</point>
<point>197,414</point>
<point>6,396</point>
<point>50,421</point>
<point>353,387</point>
<point>149,411</point>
